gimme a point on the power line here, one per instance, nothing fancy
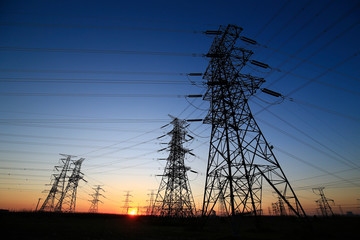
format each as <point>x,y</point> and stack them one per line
<point>311,105</point>
<point>287,23</point>
<point>101,95</point>
<point>323,46</point>
<point>322,74</point>
<point>312,79</point>
<point>313,166</point>
<point>326,6</point>
<point>58,144</point>
<point>98,51</point>
<point>323,175</point>
<point>112,18</point>
<point>99,27</point>
<point>316,79</point>
<point>93,80</point>
<point>280,10</point>
<point>25,175</point>
<point>25,169</point>
<point>70,127</point>
<point>93,71</point>
<point>84,120</point>
<point>308,144</point>
<point>312,138</point>
<point>51,137</point>
<point>127,140</point>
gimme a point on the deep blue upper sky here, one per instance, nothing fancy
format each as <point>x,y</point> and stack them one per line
<point>302,41</point>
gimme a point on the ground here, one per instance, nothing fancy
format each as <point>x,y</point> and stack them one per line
<point>30,225</point>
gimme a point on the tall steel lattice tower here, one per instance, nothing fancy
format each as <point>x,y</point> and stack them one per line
<point>94,207</point>
<point>151,203</point>
<point>127,202</point>
<point>174,197</point>
<point>323,202</point>
<point>67,201</point>
<point>240,159</point>
<point>58,185</point>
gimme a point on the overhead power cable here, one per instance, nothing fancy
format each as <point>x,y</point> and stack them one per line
<point>58,144</point>
<point>111,18</point>
<point>109,95</point>
<point>325,110</point>
<point>54,138</point>
<point>309,145</point>
<point>98,51</point>
<point>312,79</point>
<point>313,139</point>
<point>287,23</point>
<point>99,27</point>
<point>314,166</point>
<point>85,120</point>
<point>94,71</point>
<point>323,46</point>
<point>25,169</point>
<point>87,81</point>
<point>323,175</point>
<point>280,10</point>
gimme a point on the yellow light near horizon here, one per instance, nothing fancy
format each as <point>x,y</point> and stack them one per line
<point>132,211</point>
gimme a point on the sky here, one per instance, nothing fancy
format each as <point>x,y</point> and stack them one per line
<point>99,79</point>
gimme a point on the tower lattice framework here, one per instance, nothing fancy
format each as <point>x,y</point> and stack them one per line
<point>67,201</point>
<point>94,207</point>
<point>58,185</point>
<point>323,202</point>
<point>240,159</point>
<point>174,197</point>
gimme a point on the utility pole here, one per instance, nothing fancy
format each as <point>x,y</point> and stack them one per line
<point>240,158</point>
<point>58,184</point>
<point>127,201</point>
<point>94,207</point>
<point>323,202</point>
<point>174,197</point>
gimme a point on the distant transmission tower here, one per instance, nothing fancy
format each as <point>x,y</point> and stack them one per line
<point>323,202</point>
<point>94,207</point>
<point>151,203</point>
<point>58,184</point>
<point>67,201</point>
<point>279,208</point>
<point>240,158</point>
<point>174,196</point>
<point>126,202</point>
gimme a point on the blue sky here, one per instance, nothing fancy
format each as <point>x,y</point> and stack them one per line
<point>154,44</point>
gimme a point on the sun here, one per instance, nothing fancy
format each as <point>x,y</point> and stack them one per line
<point>132,211</point>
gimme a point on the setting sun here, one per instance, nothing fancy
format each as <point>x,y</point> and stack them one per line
<point>132,211</point>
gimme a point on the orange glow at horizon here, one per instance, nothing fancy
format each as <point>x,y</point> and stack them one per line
<point>133,211</point>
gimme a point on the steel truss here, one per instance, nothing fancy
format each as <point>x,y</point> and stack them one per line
<point>240,159</point>
<point>174,197</point>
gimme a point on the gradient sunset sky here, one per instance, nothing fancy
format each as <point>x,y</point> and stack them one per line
<point>97,79</point>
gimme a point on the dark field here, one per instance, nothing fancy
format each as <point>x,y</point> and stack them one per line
<point>27,225</point>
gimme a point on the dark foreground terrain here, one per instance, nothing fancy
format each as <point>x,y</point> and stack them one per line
<point>28,225</point>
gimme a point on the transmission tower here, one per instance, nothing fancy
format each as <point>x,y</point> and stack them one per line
<point>240,158</point>
<point>94,207</point>
<point>222,205</point>
<point>58,185</point>
<point>151,203</point>
<point>279,207</point>
<point>174,197</point>
<point>323,202</point>
<point>127,201</point>
<point>67,201</point>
